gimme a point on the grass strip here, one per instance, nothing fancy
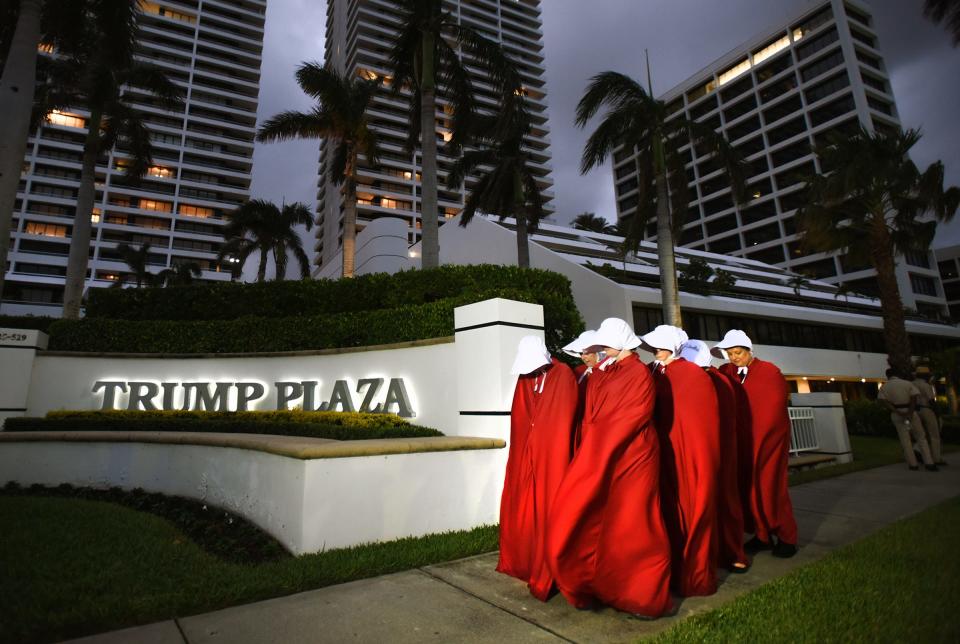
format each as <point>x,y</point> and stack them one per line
<point>868,452</point>
<point>74,567</point>
<point>898,585</point>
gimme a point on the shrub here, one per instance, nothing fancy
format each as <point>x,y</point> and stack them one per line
<point>345,329</point>
<point>332,425</point>
<point>230,300</point>
<point>868,418</point>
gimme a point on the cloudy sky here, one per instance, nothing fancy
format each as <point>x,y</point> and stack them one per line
<point>682,37</point>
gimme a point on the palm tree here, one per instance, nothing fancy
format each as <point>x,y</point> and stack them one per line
<point>97,76</point>
<point>798,282</point>
<point>340,117</point>
<point>873,204</point>
<point>259,225</point>
<point>426,59</point>
<point>137,259</point>
<point>947,12</point>
<point>182,274</point>
<point>629,242</point>
<point>594,223</point>
<point>635,120</point>
<point>506,185</point>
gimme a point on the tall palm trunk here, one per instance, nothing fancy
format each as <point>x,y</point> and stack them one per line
<point>669,290</point>
<point>430,239</point>
<point>80,240</point>
<point>349,217</point>
<point>894,322</point>
<point>523,240</point>
<point>262,268</point>
<point>16,99</point>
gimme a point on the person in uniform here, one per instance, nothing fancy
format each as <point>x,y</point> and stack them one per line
<point>928,416</point>
<point>767,398</point>
<point>606,540</point>
<point>687,419</point>
<point>900,396</point>
<point>730,528</point>
<point>541,427</point>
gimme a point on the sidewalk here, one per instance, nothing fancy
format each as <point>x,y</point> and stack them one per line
<point>466,601</point>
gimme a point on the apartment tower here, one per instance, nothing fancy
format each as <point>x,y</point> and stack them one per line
<point>359,39</point>
<point>203,156</point>
<point>774,97</point>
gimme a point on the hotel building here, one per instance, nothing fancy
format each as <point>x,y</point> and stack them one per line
<point>359,39</point>
<point>948,263</point>
<point>774,97</point>
<point>202,153</point>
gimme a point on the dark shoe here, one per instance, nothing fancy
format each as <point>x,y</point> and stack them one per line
<point>738,568</point>
<point>756,545</point>
<point>784,550</point>
<point>931,468</point>
<point>913,468</point>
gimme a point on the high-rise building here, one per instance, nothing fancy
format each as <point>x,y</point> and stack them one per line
<point>774,97</point>
<point>202,153</point>
<point>948,263</point>
<point>359,40</point>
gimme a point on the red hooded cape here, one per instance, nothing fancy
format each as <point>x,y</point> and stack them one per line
<point>688,423</point>
<point>606,540</point>
<point>729,507</point>
<point>767,395</point>
<point>541,427</point>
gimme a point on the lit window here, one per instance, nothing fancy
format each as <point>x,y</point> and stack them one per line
<point>388,203</point>
<point>797,34</point>
<point>157,10</point>
<point>368,74</point>
<point>160,206</point>
<point>733,72</point>
<point>56,117</point>
<point>196,211</point>
<point>96,215</point>
<point>408,175</point>
<point>45,47</point>
<point>159,171</point>
<point>46,230</point>
<point>110,277</point>
<point>773,48</point>
<point>447,136</point>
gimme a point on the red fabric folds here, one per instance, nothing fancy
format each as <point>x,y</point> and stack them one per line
<point>767,397</point>
<point>687,421</point>
<point>729,506</point>
<point>606,540</point>
<point>541,427</point>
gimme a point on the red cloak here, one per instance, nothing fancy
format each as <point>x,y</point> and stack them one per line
<point>582,374</point>
<point>606,539</point>
<point>767,396</point>
<point>541,427</point>
<point>729,507</point>
<point>688,423</point>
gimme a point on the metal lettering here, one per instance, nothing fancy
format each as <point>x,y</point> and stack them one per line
<point>309,389</point>
<point>203,399</point>
<point>340,396</point>
<point>397,394</point>
<point>247,392</point>
<point>373,386</point>
<point>142,395</point>
<point>110,388</point>
<point>168,390</point>
<point>287,392</point>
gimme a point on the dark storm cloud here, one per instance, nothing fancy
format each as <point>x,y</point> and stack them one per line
<point>582,39</point>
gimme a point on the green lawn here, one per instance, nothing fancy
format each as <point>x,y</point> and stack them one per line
<point>899,585</point>
<point>72,567</point>
<point>868,452</point>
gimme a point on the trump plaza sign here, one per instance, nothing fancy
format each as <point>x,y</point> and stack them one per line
<point>368,395</point>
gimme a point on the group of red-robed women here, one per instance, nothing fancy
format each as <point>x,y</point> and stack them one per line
<point>625,480</point>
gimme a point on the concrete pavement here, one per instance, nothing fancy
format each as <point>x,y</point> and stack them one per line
<point>466,601</point>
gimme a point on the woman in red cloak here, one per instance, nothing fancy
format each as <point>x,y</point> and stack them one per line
<point>584,347</point>
<point>767,396</point>
<point>729,507</point>
<point>606,540</point>
<point>688,422</point>
<point>541,424</point>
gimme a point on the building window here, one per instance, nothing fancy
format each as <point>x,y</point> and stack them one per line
<point>948,269</point>
<point>160,172</point>
<point>809,48</point>
<point>923,285</point>
<point>66,119</point>
<point>917,258</point>
<point>44,229</point>
<point>159,206</point>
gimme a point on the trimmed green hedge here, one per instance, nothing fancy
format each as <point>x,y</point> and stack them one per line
<point>868,418</point>
<point>38,322</point>
<point>338,426</point>
<point>230,300</point>
<point>345,329</point>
